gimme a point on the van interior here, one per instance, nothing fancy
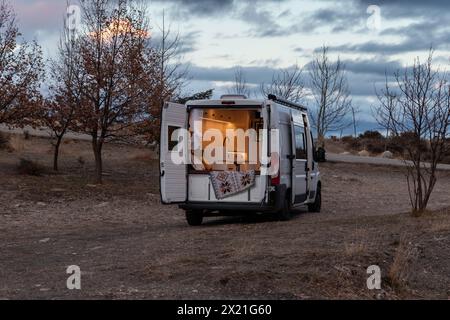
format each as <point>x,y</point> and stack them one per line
<point>233,157</point>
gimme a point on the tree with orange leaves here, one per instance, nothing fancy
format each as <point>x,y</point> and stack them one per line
<point>115,72</point>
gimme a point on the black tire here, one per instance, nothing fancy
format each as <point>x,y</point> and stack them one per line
<point>317,205</point>
<point>194,218</point>
<point>285,213</point>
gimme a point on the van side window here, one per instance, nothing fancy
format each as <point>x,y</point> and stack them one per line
<point>300,143</point>
<point>172,144</point>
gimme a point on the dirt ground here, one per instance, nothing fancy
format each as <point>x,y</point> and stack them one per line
<point>129,246</point>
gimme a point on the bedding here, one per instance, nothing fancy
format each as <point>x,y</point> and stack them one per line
<point>229,183</point>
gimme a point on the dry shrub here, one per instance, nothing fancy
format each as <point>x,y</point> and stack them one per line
<point>352,143</point>
<point>358,244</point>
<point>68,141</point>
<point>347,139</point>
<point>371,135</point>
<point>26,135</point>
<point>446,156</point>
<point>397,144</point>
<point>421,213</point>
<point>373,141</point>
<point>30,168</point>
<point>399,271</point>
<point>4,142</point>
<point>355,249</point>
<point>376,146</point>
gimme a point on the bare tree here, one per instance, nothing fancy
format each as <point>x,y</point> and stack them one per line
<point>116,71</point>
<point>331,93</point>
<point>240,85</point>
<point>171,78</point>
<point>287,84</point>
<point>355,111</point>
<point>417,109</point>
<point>173,73</point>
<point>21,68</point>
<point>59,110</point>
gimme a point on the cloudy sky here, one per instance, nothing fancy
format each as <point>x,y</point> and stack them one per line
<point>263,35</point>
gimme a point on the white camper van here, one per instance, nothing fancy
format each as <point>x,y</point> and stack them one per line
<point>283,175</point>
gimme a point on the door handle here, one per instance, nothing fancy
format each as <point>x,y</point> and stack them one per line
<point>163,173</point>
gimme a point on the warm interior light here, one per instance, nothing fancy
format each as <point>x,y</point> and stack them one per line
<point>218,121</point>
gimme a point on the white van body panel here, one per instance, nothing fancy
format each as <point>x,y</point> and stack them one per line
<point>173,182</point>
<point>300,177</point>
<point>201,190</point>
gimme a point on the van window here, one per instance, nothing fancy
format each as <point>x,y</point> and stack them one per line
<point>300,144</point>
<point>172,144</point>
<point>234,135</point>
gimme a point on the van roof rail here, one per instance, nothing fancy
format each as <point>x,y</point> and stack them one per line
<point>233,96</point>
<point>287,103</point>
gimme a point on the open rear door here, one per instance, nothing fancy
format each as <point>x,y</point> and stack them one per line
<point>173,174</point>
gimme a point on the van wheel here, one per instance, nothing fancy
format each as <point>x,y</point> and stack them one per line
<point>317,205</point>
<point>285,213</point>
<point>194,218</point>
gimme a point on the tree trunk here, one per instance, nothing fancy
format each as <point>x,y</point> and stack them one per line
<point>97,148</point>
<point>321,141</point>
<point>56,154</point>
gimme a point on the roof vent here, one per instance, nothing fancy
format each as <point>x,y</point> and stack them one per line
<point>233,97</point>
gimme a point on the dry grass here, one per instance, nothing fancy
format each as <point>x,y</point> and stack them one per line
<point>143,156</point>
<point>358,245</point>
<point>439,226</point>
<point>355,249</point>
<point>17,143</point>
<point>399,270</point>
<point>421,213</point>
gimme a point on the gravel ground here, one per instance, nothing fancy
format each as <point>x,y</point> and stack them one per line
<point>129,246</point>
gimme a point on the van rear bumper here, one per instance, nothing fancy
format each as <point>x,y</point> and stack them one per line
<point>274,204</point>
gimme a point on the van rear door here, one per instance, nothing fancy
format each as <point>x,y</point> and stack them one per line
<point>173,181</point>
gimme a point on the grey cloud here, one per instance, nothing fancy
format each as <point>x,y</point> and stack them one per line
<point>200,7</point>
<point>405,8</point>
<point>212,7</point>
<point>338,19</point>
<point>252,74</point>
<point>372,67</point>
<point>188,42</point>
<point>362,74</point>
<point>382,48</point>
<point>415,37</point>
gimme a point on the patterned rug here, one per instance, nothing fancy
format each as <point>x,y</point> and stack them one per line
<point>228,183</point>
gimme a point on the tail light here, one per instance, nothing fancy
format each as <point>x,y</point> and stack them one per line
<point>275,165</point>
<point>275,180</point>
